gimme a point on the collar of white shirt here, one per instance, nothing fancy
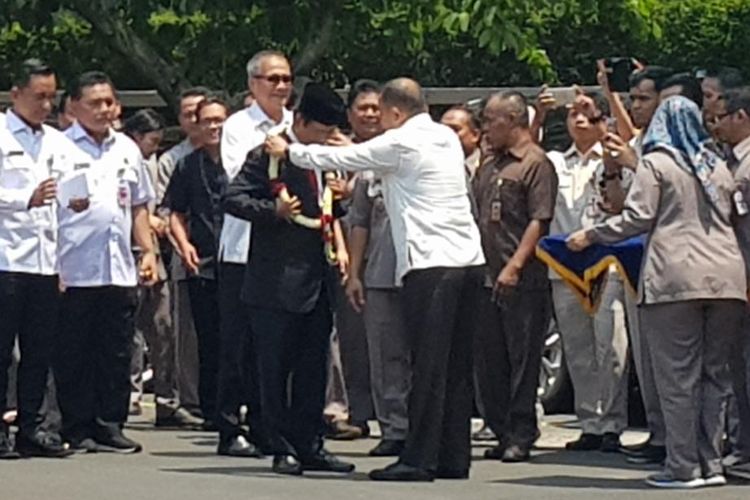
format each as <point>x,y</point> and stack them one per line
<point>79,134</point>
<point>742,149</point>
<point>16,124</point>
<point>262,120</point>
<point>594,153</point>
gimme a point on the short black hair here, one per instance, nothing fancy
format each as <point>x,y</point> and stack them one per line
<point>88,79</point>
<point>363,86</point>
<point>728,77</point>
<point>198,91</point>
<point>656,74</point>
<point>208,101</point>
<point>601,102</point>
<point>738,99</point>
<point>689,85</point>
<point>142,122</point>
<point>22,74</point>
<point>474,119</point>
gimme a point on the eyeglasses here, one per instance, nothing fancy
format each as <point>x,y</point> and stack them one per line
<point>275,79</point>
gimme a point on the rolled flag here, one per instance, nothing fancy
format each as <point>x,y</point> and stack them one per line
<point>585,272</point>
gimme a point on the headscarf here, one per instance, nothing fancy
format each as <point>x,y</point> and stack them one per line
<point>677,128</point>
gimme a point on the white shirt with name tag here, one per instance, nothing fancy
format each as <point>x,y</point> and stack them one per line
<point>28,236</point>
<point>95,245</point>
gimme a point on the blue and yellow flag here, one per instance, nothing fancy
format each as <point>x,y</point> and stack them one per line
<point>584,272</point>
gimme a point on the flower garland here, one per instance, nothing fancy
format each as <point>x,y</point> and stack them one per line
<point>324,223</point>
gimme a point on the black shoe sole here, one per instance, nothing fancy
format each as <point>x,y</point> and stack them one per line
<point>46,454</point>
<point>10,455</point>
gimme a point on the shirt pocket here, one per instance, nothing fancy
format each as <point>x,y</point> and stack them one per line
<point>508,201</point>
<point>17,172</point>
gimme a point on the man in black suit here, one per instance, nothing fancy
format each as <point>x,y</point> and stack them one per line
<point>288,285</point>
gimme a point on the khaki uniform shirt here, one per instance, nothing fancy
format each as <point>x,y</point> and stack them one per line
<point>692,252</point>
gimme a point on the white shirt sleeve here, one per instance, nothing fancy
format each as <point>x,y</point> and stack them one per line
<point>143,189</point>
<point>233,150</point>
<point>379,154</point>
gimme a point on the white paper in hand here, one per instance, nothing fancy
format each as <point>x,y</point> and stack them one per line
<point>75,186</point>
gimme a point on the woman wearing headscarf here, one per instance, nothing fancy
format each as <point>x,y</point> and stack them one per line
<point>692,285</point>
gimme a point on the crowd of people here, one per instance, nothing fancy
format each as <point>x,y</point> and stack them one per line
<point>297,266</point>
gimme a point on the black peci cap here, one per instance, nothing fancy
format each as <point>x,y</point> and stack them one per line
<point>321,104</point>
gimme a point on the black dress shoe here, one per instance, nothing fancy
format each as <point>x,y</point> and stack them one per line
<point>587,442</point>
<point>6,447</point>
<point>116,442</point>
<point>387,448</point>
<point>515,454</point>
<point>611,443</point>
<point>176,418</point>
<point>648,455</point>
<point>238,446</point>
<point>324,461</point>
<point>209,426</point>
<point>287,465</point>
<point>402,472</point>
<point>83,445</point>
<point>495,453</point>
<point>452,473</point>
<point>42,444</point>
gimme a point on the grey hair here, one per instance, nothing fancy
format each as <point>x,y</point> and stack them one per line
<point>253,65</point>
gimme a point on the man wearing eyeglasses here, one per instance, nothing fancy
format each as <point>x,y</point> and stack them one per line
<point>269,77</point>
<point>733,127</point>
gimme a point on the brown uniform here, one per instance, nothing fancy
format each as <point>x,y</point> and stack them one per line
<point>512,191</point>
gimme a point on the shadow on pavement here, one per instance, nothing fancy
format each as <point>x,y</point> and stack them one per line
<point>265,472</point>
<point>184,454</point>
<point>598,483</point>
<point>588,459</point>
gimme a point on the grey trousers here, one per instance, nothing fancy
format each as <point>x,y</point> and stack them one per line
<point>690,344</point>
<point>739,364</point>
<point>596,350</point>
<point>187,346</point>
<point>154,328</point>
<point>390,365</point>
<point>354,359</point>
<point>645,371</point>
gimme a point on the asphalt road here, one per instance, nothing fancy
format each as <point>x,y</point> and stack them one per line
<point>183,466</point>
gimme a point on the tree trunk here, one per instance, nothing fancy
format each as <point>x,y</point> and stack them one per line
<point>105,19</point>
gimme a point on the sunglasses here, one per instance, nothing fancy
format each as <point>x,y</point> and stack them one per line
<point>275,79</point>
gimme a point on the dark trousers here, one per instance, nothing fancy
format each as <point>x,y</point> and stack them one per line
<point>28,309</point>
<point>508,343</point>
<point>739,365</point>
<point>292,352</point>
<point>92,362</point>
<point>204,303</point>
<point>238,369</point>
<point>440,404</point>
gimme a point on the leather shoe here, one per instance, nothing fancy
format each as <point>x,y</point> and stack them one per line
<point>402,472</point>
<point>647,455</point>
<point>41,444</point>
<point>238,446</point>
<point>6,447</point>
<point>452,473</point>
<point>495,453</point>
<point>515,454</point>
<point>324,461</point>
<point>586,442</point>
<point>176,418</point>
<point>343,431</point>
<point>484,434</point>
<point>387,448</point>
<point>287,465</point>
<point>610,443</point>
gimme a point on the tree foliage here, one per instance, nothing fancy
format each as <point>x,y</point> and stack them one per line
<point>168,44</point>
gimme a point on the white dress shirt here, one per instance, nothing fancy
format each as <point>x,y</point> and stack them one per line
<point>421,165</point>
<point>28,236</point>
<point>95,245</point>
<point>244,131</point>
